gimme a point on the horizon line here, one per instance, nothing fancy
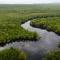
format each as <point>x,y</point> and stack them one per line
<point>30,3</point>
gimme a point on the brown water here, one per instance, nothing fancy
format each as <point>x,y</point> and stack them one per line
<point>36,49</point>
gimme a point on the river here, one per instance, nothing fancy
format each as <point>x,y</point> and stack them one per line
<point>36,49</point>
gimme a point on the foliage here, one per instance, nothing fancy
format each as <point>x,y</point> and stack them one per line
<point>53,55</point>
<point>12,16</point>
<point>50,23</point>
<point>12,54</point>
<point>59,44</point>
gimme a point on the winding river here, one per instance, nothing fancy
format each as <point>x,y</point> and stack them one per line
<point>36,49</point>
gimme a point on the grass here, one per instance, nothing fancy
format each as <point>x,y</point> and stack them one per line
<point>52,55</point>
<point>45,16</point>
<point>59,44</point>
<point>12,16</point>
<point>50,23</point>
<point>12,54</point>
<point>11,30</point>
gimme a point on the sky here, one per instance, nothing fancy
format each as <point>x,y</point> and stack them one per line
<point>28,1</point>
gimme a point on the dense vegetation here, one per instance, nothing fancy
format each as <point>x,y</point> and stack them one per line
<point>10,29</point>
<point>50,23</point>
<point>59,44</point>
<point>12,54</point>
<point>53,55</point>
<point>12,16</point>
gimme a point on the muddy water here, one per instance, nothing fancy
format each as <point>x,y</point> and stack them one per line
<point>36,50</point>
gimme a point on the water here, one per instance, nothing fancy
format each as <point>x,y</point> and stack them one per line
<point>36,49</point>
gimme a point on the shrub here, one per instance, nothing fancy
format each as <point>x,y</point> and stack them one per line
<point>12,54</point>
<point>53,55</point>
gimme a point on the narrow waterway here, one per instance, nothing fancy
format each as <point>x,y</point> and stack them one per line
<point>36,49</point>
